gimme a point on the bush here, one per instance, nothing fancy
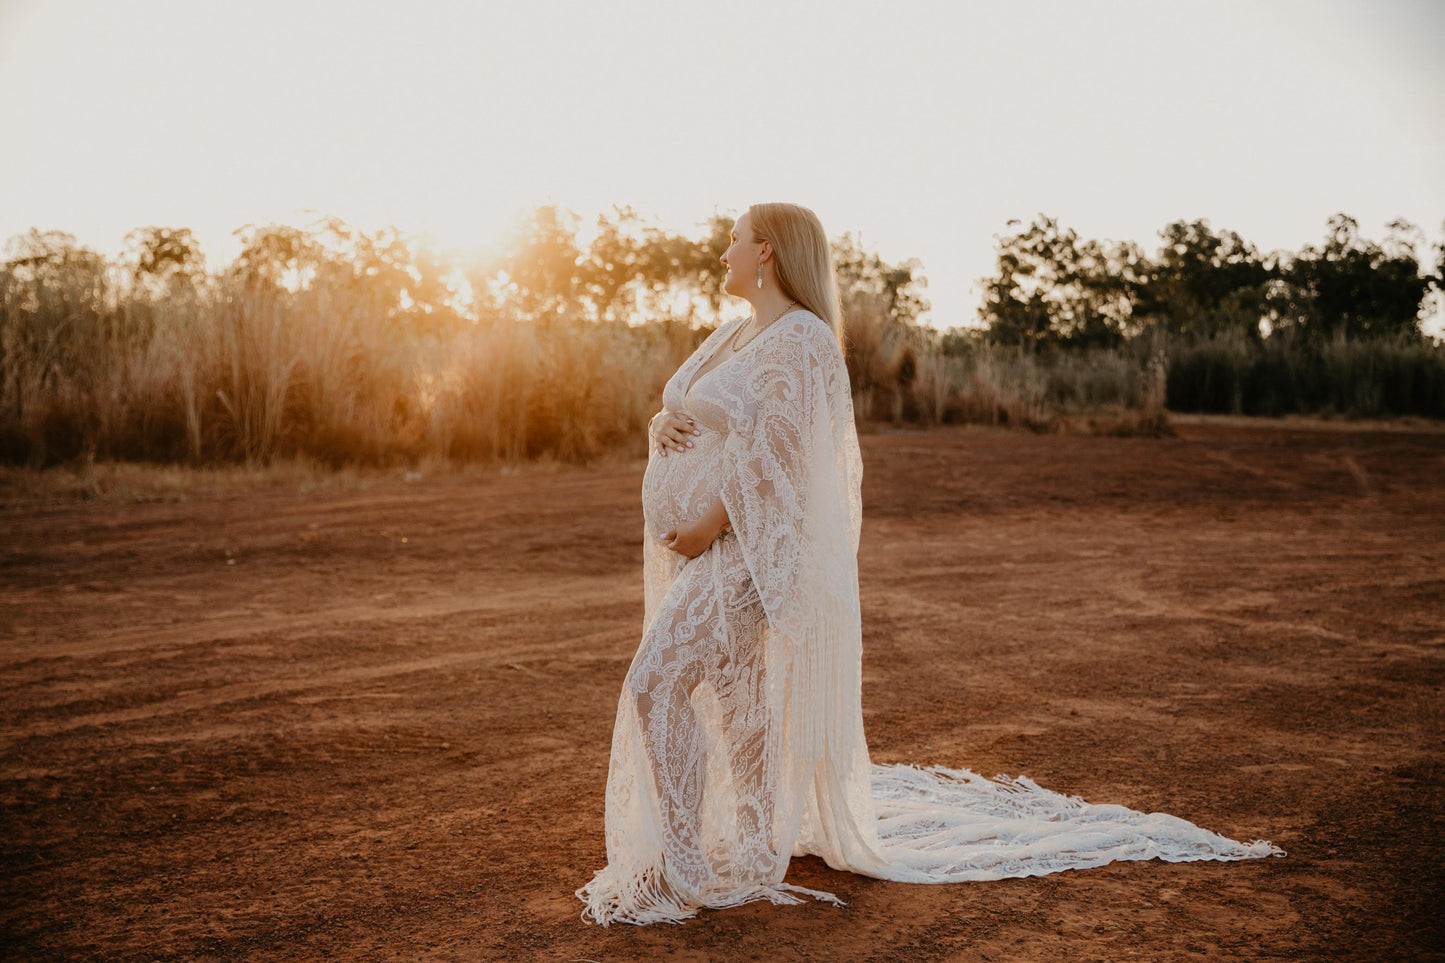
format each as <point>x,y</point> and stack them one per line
<point>1378,377</point>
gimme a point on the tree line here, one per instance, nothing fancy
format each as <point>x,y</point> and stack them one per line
<point>357,347</point>
<point>1050,288</point>
<point>1054,290</point>
<point>631,270</point>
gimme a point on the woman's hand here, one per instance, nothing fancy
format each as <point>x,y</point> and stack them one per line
<point>692,539</point>
<point>669,429</point>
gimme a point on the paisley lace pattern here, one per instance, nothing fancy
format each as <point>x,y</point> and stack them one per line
<point>738,741</point>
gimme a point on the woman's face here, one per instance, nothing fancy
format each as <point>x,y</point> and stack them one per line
<point>742,258</point>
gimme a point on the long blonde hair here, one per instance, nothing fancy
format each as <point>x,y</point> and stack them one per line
<point>802,259</point>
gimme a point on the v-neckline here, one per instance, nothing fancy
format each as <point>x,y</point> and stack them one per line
<point>699,374</point>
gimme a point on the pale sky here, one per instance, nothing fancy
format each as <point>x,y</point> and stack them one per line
<point>921,126</point>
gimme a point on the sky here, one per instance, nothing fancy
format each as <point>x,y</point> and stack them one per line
<point>921,127</point>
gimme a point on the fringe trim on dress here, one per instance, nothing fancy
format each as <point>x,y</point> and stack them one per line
<point>648,899</point>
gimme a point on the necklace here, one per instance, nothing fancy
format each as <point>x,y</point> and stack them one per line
<point>738,347</point>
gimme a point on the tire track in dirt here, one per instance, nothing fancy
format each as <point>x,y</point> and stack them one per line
<point>512,595</point>
<point>578,596</point>
<point>215,698</point>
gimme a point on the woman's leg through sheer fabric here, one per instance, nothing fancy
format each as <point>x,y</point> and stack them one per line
<point>692,781</point>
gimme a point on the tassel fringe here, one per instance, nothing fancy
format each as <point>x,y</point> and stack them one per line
<point>645,898</point>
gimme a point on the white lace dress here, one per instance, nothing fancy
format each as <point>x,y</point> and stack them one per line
<point>738,741</point>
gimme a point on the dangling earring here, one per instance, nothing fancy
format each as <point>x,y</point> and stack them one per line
<point>760,274</point>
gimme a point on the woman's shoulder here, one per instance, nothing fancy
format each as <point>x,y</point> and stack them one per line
<point>814,334</point>
<point>803,325</point>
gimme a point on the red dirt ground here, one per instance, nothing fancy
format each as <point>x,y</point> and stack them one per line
<point>371,721</point>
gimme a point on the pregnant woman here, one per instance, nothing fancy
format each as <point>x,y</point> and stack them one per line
<point>739,740</point>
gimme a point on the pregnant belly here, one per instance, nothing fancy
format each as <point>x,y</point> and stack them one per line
<point>679,488</point>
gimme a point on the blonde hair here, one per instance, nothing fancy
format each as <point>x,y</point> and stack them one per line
<point>802,259</point>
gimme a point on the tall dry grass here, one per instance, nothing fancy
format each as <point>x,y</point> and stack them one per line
<point>907,374</point>
<point>237,370</point>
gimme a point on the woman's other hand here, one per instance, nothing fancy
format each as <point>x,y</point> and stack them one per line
<point>669,429</point>
<point>692,539</point>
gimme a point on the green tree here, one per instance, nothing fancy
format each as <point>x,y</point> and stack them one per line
<point>615,260</point>
<point>161,257</point>
<point>540,274</point>
<point>680,274</point>
<point>277,256</point>
<point>864,272</point>
<point>1051,288</point>
<point>1202,283</point>
<point>704,267</point>
<point>403,280</point>
<point>51,257</point>
<point>1357,288</point>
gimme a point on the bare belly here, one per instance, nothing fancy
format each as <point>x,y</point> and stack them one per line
<point>681,487</point>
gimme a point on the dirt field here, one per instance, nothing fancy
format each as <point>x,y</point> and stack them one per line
<point>370,720</point>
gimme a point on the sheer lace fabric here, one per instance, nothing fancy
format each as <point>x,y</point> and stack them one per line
<point>738,741</point>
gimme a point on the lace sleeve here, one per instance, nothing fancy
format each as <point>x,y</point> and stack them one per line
<point>791,492</point>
